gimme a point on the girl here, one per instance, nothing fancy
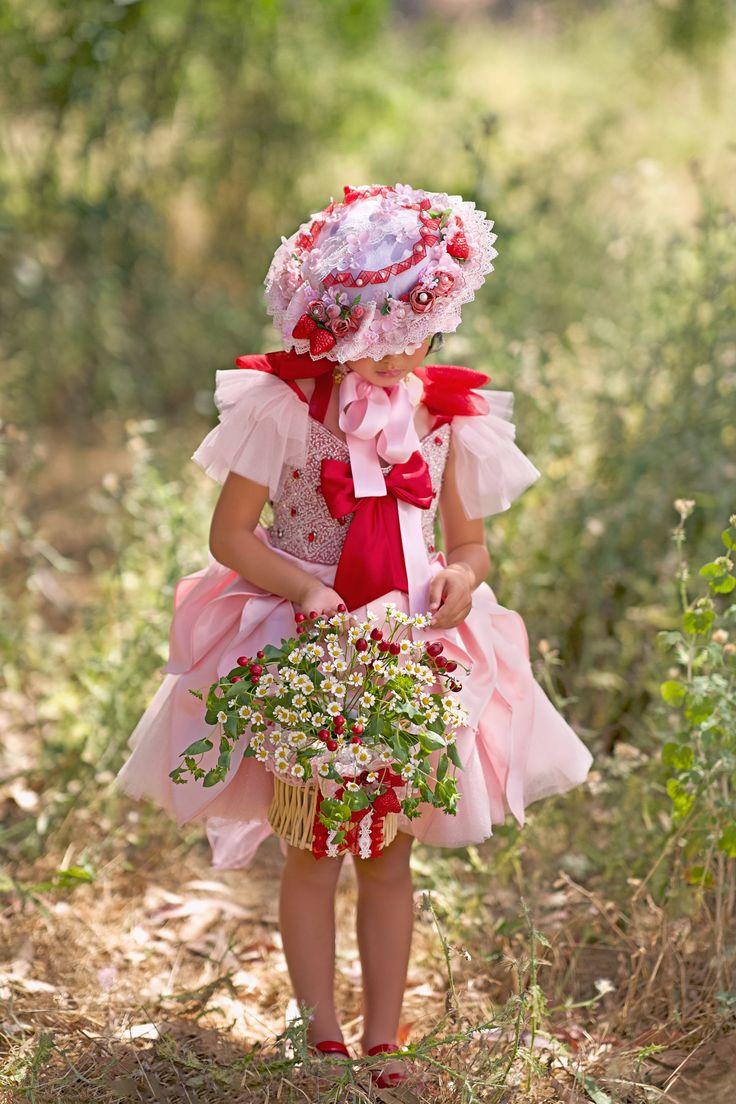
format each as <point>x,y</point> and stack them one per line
<point>357,293</point>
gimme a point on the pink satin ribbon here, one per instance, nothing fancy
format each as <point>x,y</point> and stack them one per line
<point>378,422</point>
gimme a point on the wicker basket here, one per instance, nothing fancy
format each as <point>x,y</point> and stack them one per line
<point>292,810</point>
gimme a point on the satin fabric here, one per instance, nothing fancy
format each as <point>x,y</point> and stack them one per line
<point>373,557</point>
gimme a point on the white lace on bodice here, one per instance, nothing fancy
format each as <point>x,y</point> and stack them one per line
<point>302,524</point>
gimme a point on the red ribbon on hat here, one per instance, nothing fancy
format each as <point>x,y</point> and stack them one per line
<point>372,559</point>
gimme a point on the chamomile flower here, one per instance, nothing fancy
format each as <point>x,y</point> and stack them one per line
<point>339,619</point>
<point>450,737</point>
<point>323,769</point>
<point>332,686</point>
<point>408,771</point>
<point>319,720</point>
<point>245,712</point>
<point>295,656</point>
<point>261,755</point>
<point>297,770</point>
<point>333,649</point>
<point>313,651</point>
<point>362,755</point>
<point>412,668</point>
<point>261,691</point>
<point>222,716</point>
<point>305,716</point>
<point>354,679</point>
<point>267,679</point>
<point>371,776</point>
<point>378,666</point>
<point>303,683</point>
<point>354,632</point>
<point>298,739</point>
<point>386,756</point>
<point>352,786</point>
<point>328,667</point>
<point>340,666</point>
<point>281,714</point>
<point>407,646</point>
<point>421,620</point>
<point>256,741</point>
<point>367,700</point>
<point>334,708</point>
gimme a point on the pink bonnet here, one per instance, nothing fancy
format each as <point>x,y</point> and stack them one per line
<point>378,272</point>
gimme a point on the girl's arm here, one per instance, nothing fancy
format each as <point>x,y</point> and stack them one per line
<point>234,544</point>
<point>468,562</point>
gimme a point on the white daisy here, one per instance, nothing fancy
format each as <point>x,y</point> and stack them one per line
<point>340,666</point>
<point>334,708</point>
<point>363,756</point>
<point>319,720</point>
<point>367,700</point>
<point>378,666</point>
<point>352,786</point>
<point>323,769</point>
<point>354,679</point>
<point>262,755</point>
<point>297,770</point>
<point>245,712</point>
<point>222,716</point>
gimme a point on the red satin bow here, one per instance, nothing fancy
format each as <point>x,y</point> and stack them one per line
<point>372,559</point>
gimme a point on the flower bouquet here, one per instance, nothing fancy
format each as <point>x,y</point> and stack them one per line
<point>356,721</point>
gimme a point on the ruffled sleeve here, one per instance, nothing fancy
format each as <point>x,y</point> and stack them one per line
<point>491,469</point>
<point>263,426</point>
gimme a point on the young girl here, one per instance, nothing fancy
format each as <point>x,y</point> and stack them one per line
<point>357,293</point>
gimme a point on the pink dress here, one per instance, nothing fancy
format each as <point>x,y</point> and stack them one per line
<point>517,747</point>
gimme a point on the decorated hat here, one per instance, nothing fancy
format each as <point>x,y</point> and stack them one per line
<point>377,272</point>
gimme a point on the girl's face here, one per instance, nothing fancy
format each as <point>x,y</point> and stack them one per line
<point>392,368</point>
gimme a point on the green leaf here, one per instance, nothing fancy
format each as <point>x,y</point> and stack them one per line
<point>199,747</point>
<point>698,710</point>
<point>196,693</point>
<point>454,755</point>
<point>430,743</point>
<point>678,756</point>
<point>727,841</point>
<point>698,875</point>
<point>442,767</point>
<point>673,692</point>
<point>728,536</point>
<point>212,777</point>
<point>725,586</point>
<point>697,622</point>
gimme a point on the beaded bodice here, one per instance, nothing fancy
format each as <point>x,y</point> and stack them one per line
<point>302,524</point>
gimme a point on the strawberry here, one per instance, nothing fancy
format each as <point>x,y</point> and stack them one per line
<point>305,327</point>
<point>458,247</point>
<point>320,341</point>
<point>387,802</point>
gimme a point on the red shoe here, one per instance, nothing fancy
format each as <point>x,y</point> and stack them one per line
<point>330,1046</point>
<point>385,1080</point>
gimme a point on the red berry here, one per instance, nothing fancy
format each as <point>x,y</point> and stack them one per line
<point>339,721</point>
<point>376,634</point>
<point>356,740</point>
<point>394,648</point>
<point>342,608</point>
<point>323,734</point>
<point>312,615</point>
<point>456,687</point>
<point>441,663</point>
<point>236,678</point>
<point>261,655</point>
<point>357,730</point>
<point>435,648</point>
<point>450,665</point>
<point>383,646</point>
<point>321,341</point>
<point>256,670</point>
<point>361,645</point>
<point>243,661</point>
<point>298,617</point>
<point>332,745</point>
<point>305,326</point>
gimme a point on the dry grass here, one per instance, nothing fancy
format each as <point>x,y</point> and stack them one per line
<point>163,981</point>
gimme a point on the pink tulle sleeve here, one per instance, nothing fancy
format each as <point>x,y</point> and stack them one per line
<point>263,426</point>
<point>491,469</point>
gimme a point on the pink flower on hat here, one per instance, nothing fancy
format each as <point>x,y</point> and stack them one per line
<point>340,326</point>
<point>421,299</point>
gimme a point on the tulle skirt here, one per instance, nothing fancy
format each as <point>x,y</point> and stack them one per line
<point>516,749</point>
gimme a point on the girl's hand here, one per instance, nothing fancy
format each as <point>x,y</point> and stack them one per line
<point>319,598</point>
<point>451,595</point>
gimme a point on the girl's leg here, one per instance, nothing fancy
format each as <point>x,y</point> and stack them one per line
<point>385,923</point>
<point>307,921</point>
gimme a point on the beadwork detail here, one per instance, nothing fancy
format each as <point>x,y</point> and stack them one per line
<point>302,524</point>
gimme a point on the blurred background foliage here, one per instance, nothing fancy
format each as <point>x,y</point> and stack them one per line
<point>152,156</point>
